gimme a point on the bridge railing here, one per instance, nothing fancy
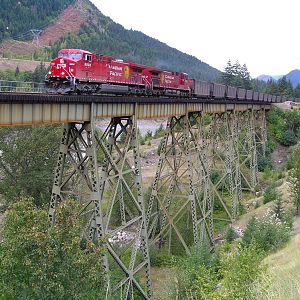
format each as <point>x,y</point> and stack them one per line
<point>21,86</point>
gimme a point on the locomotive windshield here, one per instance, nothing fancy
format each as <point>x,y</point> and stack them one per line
<point>72,55</point>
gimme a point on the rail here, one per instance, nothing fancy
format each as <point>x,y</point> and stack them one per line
<point>21,86</point>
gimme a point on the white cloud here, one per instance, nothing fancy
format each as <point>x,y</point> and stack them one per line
<point>261,33</point>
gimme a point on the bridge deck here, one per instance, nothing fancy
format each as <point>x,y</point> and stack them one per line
<point>29,109</point>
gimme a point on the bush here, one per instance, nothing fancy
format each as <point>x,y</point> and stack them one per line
<point>231,235</point>
<point>148,135</point>
<point>242,272</point>
<point>235,272</point>
<point>270,194</point>
<point>269,232</point>
<point>41,263</point>
<point>160,258</point>
<point>197,276</point>
<point>159,132</point>
<point>288,138</point>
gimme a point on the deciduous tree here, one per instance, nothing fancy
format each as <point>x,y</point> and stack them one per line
<point>41,263</point>
<point>28,157</point>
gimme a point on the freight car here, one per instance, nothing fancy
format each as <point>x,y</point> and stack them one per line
<point>84,72</point>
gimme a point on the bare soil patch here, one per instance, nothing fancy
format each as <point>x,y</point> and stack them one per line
<point>23,65</point>
<point>69,20</point>
<point>280,157</point>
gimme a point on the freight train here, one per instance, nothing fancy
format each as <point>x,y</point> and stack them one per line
<point>83,72</point>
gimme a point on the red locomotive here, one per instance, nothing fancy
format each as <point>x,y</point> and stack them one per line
<point>76,70</point>
<point>83,72</point>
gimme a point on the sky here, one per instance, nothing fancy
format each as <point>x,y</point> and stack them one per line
<point>263,34</point>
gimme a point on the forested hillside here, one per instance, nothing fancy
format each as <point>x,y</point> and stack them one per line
<point>19,16</point>
<point>99,33</point>
<point>133,45</point>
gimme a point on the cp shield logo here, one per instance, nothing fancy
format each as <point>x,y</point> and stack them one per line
<point>126,72</point>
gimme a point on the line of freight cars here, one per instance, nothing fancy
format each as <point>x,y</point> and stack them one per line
<point>221,91</point>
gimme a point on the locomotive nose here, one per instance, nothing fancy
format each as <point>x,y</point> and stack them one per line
<point>62,68</point>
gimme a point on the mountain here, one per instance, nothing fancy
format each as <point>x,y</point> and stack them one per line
<point>264,77</point>
<point>277,77</point>
<point>294,77</point>
<point>79,24</point>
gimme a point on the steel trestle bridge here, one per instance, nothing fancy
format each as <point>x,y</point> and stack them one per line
<point>203,137</point>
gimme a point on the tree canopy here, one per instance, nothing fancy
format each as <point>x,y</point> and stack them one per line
<point>28,158</point>
<point>41,263</point>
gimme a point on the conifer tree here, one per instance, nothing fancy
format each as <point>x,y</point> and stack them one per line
<point>228,76</point>
<point>278,207</point>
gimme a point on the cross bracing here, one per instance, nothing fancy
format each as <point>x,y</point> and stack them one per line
<point>207,158</point>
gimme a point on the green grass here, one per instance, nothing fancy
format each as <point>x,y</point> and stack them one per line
<point>284,269</point>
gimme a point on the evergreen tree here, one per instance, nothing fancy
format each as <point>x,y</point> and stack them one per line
<point>278,207</point>
<point>285,87</point>
<point>236,75</point>
<point>244,73</point>
<point>227,76</point>
<point>297,91</point>
<point>272,87</point>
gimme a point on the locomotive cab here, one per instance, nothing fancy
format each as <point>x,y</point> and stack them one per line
<point>62,74</point>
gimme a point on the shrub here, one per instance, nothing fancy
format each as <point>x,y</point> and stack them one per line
<point>148,135</point>
<point>235,272</point>
<point>159,132</point>
<point>197,276</point>
<point>241,271</point>
<point>269,232</point>
<point>231,235</point>
<point>288,138</point>
<point>270,194</point>
<point>160,257</point>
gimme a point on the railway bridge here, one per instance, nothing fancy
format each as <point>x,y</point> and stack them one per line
<point>207,157</point>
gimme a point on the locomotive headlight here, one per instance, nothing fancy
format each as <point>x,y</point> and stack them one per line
<point>49,72</point>
<point>61,60</point>
<point>62,73</point>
